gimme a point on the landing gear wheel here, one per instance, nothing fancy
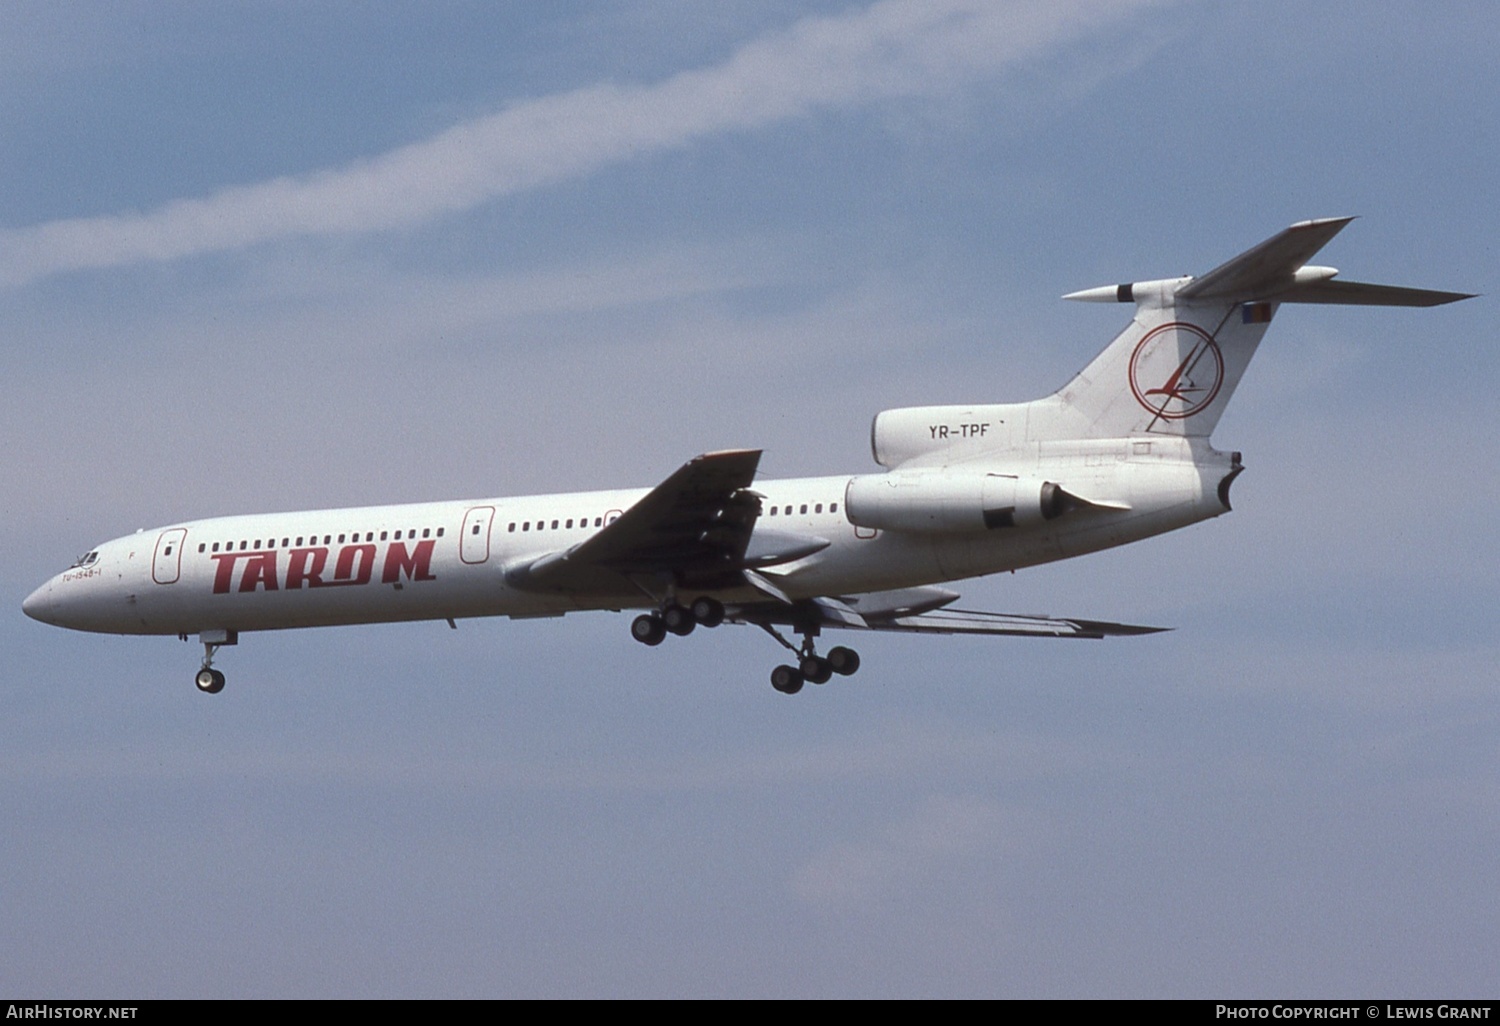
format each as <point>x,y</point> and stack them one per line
<point>210,682</point>
<point>708,611</point>
<point>844,661</point>
<point>648,629</point>
<point>679,620</point>
<point>786,679</point>
<point>815,669</point>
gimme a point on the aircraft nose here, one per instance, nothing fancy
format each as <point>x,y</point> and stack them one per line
<point>40,605</point>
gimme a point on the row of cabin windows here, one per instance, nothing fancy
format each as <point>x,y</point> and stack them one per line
<point>351,537</point>
<point>427,532</point>
<point>541,525</point>
<point>787,511</point>
<point>567,525</point>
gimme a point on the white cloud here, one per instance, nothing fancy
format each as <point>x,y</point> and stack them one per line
<point>895,48</point>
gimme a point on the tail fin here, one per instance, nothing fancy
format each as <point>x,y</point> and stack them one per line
<point>1174,368</point>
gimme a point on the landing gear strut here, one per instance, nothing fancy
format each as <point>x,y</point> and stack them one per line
<point>209,680</point>
<point>811,667</point>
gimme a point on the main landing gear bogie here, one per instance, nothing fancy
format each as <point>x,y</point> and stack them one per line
<point>673,618</point>
<point>810,668</point>
<point>815,669</point>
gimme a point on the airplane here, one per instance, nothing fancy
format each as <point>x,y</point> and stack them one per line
<point>1118,454</point>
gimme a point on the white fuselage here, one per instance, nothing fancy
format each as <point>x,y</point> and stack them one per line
<point>449,559</point>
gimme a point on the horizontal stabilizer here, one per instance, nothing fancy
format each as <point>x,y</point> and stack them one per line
<point>1270,267</point>
<point>1359,293</point>
<point>1277,269</point>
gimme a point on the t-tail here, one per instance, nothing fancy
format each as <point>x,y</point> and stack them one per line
<point>1173,370</point>
<point>1169,374</point>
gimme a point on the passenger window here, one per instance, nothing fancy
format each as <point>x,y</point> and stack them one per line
<point>512,527</point>
<point>440,532</point>
<point>833,507</point>
<point>554,525</point>
<point>201,546</point>
<point>818,508</point>
<point>216,546</point>
<point>804,507</point>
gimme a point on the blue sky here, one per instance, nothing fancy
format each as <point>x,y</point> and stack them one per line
<point>271,256</point>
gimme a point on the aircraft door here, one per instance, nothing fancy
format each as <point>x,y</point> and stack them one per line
<point>474,537</point>
<point>166,566</point>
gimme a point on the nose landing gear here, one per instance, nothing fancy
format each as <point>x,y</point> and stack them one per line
<point>209,680</point>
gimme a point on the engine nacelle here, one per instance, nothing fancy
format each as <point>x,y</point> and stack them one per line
<point>900,435</point>
<point>952,501</point>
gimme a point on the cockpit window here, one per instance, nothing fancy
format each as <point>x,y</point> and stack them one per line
<point>88,559</point>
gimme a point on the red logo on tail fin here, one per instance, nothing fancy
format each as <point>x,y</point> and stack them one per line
<point>1187,362</point>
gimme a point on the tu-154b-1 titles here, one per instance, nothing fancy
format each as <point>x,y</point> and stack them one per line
<point>1118,454</point>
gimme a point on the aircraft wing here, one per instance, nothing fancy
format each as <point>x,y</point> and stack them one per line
<point>972,621</point>
<point>925,610</point>
<point>694,527</point>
